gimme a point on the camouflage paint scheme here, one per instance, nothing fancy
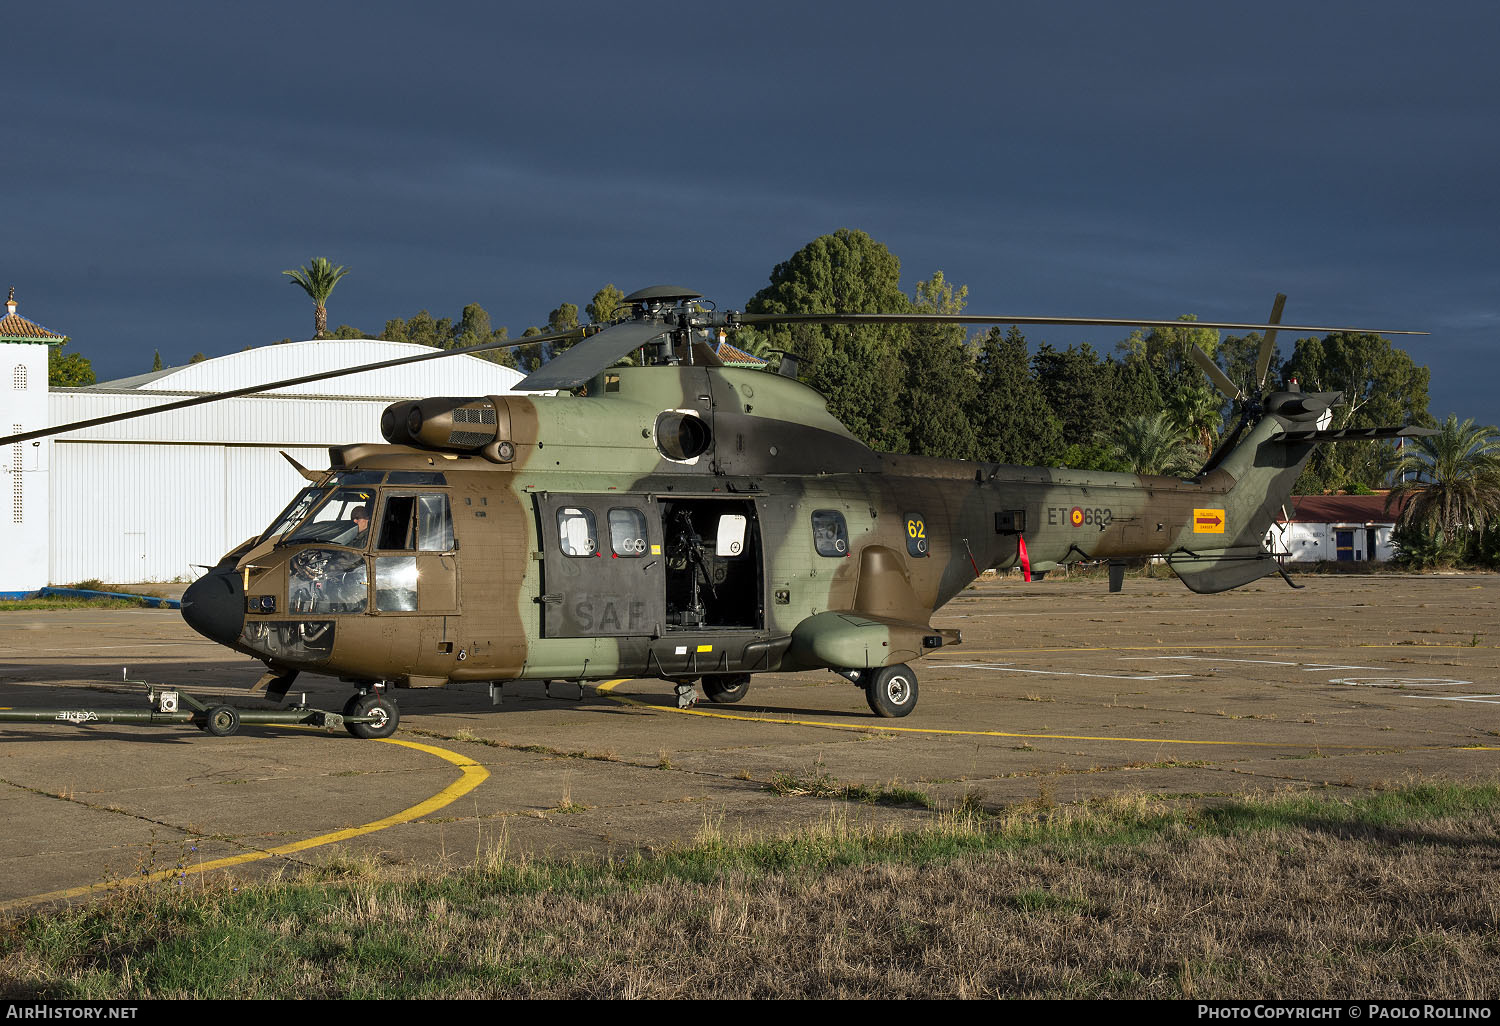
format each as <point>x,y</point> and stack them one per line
<point>504,603</point>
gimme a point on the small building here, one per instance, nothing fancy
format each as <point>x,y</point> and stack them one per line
<point>1337,528</point>
<point>25,348</point>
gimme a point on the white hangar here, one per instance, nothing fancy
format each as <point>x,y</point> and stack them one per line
<point>156,498</point>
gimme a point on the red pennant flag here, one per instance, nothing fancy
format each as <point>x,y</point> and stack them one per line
<point>1025,559</point>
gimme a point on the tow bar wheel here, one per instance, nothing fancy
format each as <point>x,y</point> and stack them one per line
<point>221,721</point>
<point>382,713</point>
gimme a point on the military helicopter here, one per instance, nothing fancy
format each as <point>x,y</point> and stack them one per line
<point>697,523</point>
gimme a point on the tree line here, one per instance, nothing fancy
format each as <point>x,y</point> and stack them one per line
<point>1140,404</point>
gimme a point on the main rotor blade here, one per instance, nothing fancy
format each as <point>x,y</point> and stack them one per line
<point>1221,380</point>
<point>592,355</point>
<point>1268,344</point>
<point>1122,322</point>
<point>201,400</point>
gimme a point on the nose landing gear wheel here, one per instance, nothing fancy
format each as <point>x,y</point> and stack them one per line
<point>383,714</point>
<point>891,690</point>
<point>726,688</point>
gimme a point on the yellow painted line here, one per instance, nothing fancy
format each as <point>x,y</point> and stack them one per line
<point>1266,647</point>
<point>473,775</point>
<point>880,728</point>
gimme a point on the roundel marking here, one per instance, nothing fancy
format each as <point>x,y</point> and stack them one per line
<point>1076,516</point>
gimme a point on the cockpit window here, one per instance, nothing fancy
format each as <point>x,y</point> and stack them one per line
<point>347,478</point>
<point>343,519</point>
<point>420,522</point>
<point>293,514</point>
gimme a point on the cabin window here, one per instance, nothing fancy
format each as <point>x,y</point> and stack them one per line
<point>627,532</point>
<point>830,533</point>
<point>916,535</point>
<point>576,531</point>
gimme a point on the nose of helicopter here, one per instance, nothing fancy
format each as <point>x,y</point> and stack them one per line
<point>214,606</point>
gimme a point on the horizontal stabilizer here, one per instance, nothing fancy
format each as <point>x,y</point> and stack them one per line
<point>1355,434</point>
<point>1215,570</point>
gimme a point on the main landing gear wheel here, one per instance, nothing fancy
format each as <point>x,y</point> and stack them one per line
<point>726,688</point>
<point>221,721</point>
<point>891,690</point>
<point>383,712</point>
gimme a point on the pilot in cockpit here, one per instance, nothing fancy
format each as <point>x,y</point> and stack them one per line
<point>361,517</point>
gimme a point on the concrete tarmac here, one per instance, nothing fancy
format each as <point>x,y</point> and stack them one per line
<point>1059,690</point>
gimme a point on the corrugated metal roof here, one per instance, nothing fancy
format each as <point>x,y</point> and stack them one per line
<point>248,420</point>
<point>294,359</point>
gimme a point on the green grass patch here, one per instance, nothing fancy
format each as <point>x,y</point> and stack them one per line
<point>355,927</point>
<point>62,602</point>
<point>821,784</point>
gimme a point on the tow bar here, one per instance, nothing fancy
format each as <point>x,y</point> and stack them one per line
<point>366,715</point>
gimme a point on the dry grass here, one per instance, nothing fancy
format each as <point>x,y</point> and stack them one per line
<point>1393,895</point>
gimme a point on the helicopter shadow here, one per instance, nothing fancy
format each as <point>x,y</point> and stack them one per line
<point>666,703</point>
<point>88,735</point>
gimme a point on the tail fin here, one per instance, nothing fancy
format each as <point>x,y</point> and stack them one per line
<point>1256,478</point>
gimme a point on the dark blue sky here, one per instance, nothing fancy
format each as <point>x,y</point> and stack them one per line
<point>166,161</point>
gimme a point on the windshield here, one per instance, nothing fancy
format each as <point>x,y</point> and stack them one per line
<point>294,512</point>
<point>341,519</point>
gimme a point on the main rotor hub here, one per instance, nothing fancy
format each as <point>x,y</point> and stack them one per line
<point>649,301</point>
<point>667,304</point>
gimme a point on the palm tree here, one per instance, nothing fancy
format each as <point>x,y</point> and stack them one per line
<point>1457,486</point>
<point>318,281</point>
<point>1198,412</point>
<point>1154,444</point>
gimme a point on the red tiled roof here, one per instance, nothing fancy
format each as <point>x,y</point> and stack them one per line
<point>15,328</point>
<point>1346,509</point>
<point>733,356</point>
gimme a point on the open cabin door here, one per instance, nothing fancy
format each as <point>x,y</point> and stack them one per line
<point>602,566</point>
<point>715,577</point>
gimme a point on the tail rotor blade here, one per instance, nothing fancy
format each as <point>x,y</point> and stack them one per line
<point>1268,344</point>
<point>1221,380</point>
